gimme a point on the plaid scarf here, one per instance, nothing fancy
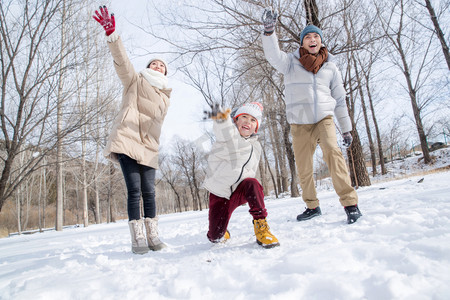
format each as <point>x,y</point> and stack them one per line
<point>311,62</point>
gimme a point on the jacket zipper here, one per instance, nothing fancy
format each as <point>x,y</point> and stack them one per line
<point>242,170</point>
<point>315,98</point>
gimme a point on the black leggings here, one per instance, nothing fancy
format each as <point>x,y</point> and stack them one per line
<point>138,178</point>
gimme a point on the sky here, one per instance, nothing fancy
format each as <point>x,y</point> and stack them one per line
<point>398,249</point>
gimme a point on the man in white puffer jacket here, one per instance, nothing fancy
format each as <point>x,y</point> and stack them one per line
<point>314,94</point>
<point>230,177</point>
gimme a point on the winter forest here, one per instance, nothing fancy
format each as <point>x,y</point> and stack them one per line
<point>60,94</point>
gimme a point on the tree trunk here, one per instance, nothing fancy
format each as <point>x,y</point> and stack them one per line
<point>178,198</point>
<point>59,171</point>
<point>59,128</point>
<point>439,32</point>
<point>98,147</point>
<point>377,130</point>
<point>262,174</point>
<point>4,180</point>
<point>366,118</point>
<point>281,159</point>
<point>415,107</point>
<point>44,204</point>
<point>277,180</point>
<point>357,165</point>
<point>84,183</point>
<point>110,211</point>
<point>290,154</point>
<point>194,177</point>
<point>40,201</point>
<point>312,13</point>
<point>18,211</point>
<point>270,171</point>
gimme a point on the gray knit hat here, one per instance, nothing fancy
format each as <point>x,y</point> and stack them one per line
<point>309,29</point>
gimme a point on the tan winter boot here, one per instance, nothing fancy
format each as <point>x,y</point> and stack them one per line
<point>138,241</point>
<point>151,224</point>
<point>263,235</point>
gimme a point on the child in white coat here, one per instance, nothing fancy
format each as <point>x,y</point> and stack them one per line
<point>231,172</point>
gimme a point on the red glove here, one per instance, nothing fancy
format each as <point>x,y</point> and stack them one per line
<point>108,22</point>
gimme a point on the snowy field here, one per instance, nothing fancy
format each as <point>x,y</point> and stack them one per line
<point>399,249</point>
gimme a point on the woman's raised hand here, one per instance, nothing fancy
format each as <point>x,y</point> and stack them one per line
<point>108,22</point>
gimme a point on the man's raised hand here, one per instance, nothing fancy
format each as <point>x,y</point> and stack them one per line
<point>269,19</point>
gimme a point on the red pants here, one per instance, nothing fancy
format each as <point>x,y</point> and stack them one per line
<point>220,209</point>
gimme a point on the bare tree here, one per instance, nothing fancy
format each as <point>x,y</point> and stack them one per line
<point>356,159</point>
<point>415,56</point>
<point>172,178</point>
<point>366,116</point>
<point>59,123</point>
<point>366,70</point>
<point>41,56</point>
<point>352,28</point>
<point>189,159</point>
<point>29,67</point>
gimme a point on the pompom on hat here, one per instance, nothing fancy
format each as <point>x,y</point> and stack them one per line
<point>159,59</point>
<point>253,109</point>
<point>310,29</point>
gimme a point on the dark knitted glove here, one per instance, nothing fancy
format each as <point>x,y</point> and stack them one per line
<point>347,139</point>
<point>269,19</point>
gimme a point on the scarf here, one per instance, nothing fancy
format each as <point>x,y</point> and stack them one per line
<point>155,78</point>
<point>313,63</point>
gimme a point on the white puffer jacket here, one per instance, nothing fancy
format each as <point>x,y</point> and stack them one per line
<point>231,160</point>
<point>309,97</point>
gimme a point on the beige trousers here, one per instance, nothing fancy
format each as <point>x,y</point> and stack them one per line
<point>305,139</point>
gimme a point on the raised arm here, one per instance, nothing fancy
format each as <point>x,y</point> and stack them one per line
<point>124,68</point>
<point>103,18</point>
<point>277,58</point>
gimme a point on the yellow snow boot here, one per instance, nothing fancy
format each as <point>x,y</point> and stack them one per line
<point>263,236</point>
<point>226,236</point>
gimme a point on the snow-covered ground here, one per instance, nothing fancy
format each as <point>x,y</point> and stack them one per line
<point>399,249</point>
